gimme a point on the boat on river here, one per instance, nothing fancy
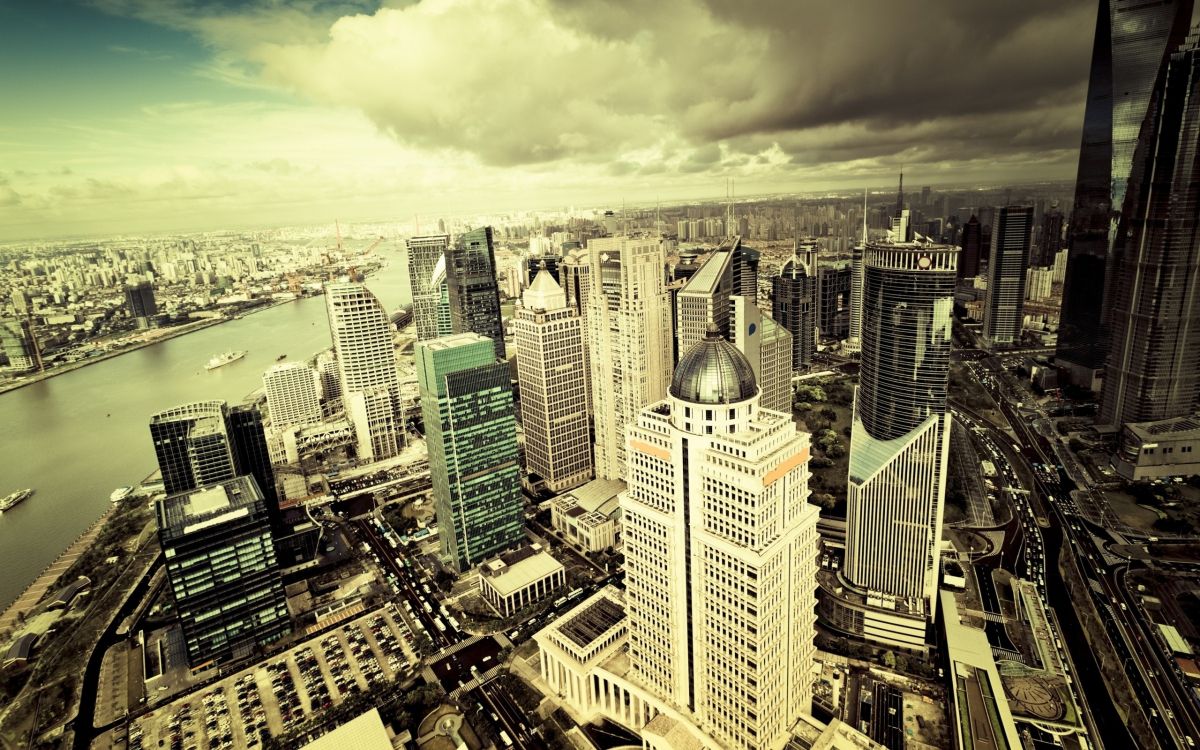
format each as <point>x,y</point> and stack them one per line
<point>17,497</point>
<point>220,360</point>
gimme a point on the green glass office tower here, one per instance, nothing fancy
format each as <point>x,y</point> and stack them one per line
<point>473,290</point>
<point>471,432</point>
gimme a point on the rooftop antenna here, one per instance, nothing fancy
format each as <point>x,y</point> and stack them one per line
<point>864,233</point>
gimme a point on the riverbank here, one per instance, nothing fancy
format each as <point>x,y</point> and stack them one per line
<point>168,334</point>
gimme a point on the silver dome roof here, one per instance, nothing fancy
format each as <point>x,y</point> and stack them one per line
<point>713,371</point>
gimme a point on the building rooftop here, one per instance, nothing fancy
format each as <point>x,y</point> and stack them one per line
<point>192,510</point>
<point>1176,427</point>
<point>364,732</point>
<point>506,575</point>
<point>589,625</point>
<point>596,494</point>
<point>705,280</point>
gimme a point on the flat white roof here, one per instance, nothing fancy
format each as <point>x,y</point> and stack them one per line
<point>521,574</point>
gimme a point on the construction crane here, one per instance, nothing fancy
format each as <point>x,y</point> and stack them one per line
<point>373,245</point>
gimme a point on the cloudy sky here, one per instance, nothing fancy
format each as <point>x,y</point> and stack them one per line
<point>129,116</point>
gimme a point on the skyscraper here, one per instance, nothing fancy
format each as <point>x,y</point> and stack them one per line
<point>1132,42</point>
<point>551,370</point>
<point>139,297</point>
<point>1003,313</point>
<point>629,332</point>
<point>576,281</point>
<point>720,549</point>
<point>794,301</point>
<point>362,341</point>
<point>1153,367</point>
<point>221,564</point>
<point>972,248</point>
<point>473,287</point>
<point>833,300</point>
<point>901,429</point>
<point>704,299</point>
<point>292,397</point>
<point>768,347</point>
<point>1049,238</point>
<point>424,253</point>
<point>206,442</point>
<point>471,433</point>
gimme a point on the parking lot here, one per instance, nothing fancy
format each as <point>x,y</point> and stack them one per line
<point>284,692</point>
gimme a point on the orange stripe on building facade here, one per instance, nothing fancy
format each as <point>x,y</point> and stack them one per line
<point>785,466</point>
<point>650,450</point>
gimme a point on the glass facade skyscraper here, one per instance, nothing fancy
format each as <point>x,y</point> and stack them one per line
<point>972,248</point>
<point>473,289</point>
<point>224,576</point>
<point>1003,313</point>
<point>471,433</point>
<point>1153,367</point>
<point>1133,39</point>
<point>794,302</point>
<point>424,253</point>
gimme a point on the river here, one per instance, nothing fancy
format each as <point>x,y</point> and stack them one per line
<point>77,436</point>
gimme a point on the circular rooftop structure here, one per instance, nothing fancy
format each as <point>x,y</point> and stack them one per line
<point>713,371</point>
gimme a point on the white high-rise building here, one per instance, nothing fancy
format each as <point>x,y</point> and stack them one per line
<point>721,553</point>
<point>362,340</point>
<point>768,346</point>
<point>292,395</point>
<point>576,282</point>
<point>548,338</point>
<point>629,335</point>
<point>424,254</point>
<point>900,440</point>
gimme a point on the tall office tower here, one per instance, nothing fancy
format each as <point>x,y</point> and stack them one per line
<point>854,336</point>
<point>16,338</point>
<point>548,338</point>
<point>629,334</point>
<point>972,248</point>
<point>794,302</point>
<point>471,432</point>
<point>192,445</point>
<point>1132,42</point>
<point>768,347</point>
<point>576,283</point>
<point>362,341</point>
<point>423,255</point>
<point>703,300</point>
<point>901,429</point>
<point>474,290</point>
<point>1153,370</point>
<point>833,300</point>
<point>292,397</point>
<point>206,442</point>
<point>442,316</point>
<point>720,550</point>
<point>330,375</point>
<point>745,269</point>
<point>1049,238</point>
<point>1003,312</point>
<point>139,298</point>
<point>222,569</point>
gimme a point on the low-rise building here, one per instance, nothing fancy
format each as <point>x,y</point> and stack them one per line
<point>979,701</point>
<point>1166,448</point>
<point>515,580</point>
<point>590,530</point>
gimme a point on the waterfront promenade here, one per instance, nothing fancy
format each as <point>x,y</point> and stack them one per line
<point>36,590</point>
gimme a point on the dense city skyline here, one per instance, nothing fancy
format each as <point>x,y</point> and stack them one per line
<point>170,116</point>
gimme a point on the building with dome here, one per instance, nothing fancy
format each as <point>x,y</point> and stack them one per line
<point>794,301</point>
<point>711,644</point>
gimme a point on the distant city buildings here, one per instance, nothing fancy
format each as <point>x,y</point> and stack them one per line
<point>1132,42</point>
<point>366,356</point>
<point>900,440</point>
<point>1011,236</point>
<point>548,341</point>
<point>220,559</point>
<point>629,334</point>
<point>292,395</point>
<point>1153,367</point>
<point>470,431</point>
<point>794,302</point>
<point>474,293</point>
